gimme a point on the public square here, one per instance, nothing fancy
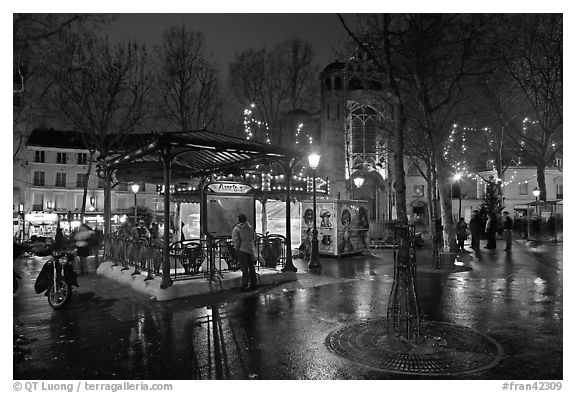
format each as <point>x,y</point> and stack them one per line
<point>353,160</point>
<point>109,331</point>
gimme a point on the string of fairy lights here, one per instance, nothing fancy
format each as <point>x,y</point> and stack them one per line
<point>255,129</point>
<point>252,127</point>
<point>455,151</point>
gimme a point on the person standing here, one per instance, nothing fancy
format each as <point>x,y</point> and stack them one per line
<point>507,227</point>
<point>461,233</point>
<point>82,242</point>
<point>475,229</point>
<point>491,230</point>
<point>243,238</point>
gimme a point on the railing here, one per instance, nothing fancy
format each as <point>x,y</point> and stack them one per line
<point>271,250</point>
<point>192,258</point>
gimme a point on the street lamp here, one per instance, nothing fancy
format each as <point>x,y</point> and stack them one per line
<point>358,182</point>
<point>135,189</point>
<point>313,161</point>
<point>458,177</point>
<point>21,213</point>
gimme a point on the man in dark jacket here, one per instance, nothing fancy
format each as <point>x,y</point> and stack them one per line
<point>475,230</point>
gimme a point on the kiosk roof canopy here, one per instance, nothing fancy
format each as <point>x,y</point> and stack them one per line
<point>192,154</point>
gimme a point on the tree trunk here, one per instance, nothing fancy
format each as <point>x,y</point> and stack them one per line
<point>444,181</point>
<point>85,192</point>
<point>430,198</point>
<point>403,312</point>
<point>541,178</point>
<point>107,202</point>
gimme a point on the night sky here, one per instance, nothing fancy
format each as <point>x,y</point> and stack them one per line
<point>227,34</point>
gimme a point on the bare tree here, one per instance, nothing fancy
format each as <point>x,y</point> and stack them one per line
<point>188,81</point>
<point>32,36</point>
<point>435,54</point>
<point>101,90</point>
<point>377,42</point>
<point>278,81</point>
<point>528,99</point>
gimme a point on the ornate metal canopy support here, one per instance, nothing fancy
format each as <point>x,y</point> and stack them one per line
<point>166,161</point>
<point>288,167</point>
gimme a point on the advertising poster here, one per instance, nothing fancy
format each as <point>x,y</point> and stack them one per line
<point>326,228</point>
<point>342,226</point>
<point>353,234</point>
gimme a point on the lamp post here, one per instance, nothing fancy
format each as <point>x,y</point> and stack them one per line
<point>135,188</point>
<point>536,193</point>
<point>21,213</point>
<point>314,160</point>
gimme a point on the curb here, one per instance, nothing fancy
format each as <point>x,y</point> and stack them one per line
<point>190,287</point>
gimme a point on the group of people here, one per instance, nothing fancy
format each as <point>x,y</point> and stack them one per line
<point>491,228</point>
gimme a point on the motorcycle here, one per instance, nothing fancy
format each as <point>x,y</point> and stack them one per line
<point>57,278</point>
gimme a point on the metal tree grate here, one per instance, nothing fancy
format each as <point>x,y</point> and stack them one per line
<point>444,349</point>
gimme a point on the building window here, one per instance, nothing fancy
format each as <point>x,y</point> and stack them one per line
<point>337,111</point>
<point>39,156</point>
<point>38,178</point>
<point>559,191</point>
<point>82,158</point>
<point>101,182</point>
<point>60,179</point>
<point>81,180</point>
<point>38,202</point>
<point>61,158</point>
<point>122,186</point>
<point>558,162</point>
<point>327,111</point>
<point>364,130</point>
<point>523,189</point>
<point>328,84</point>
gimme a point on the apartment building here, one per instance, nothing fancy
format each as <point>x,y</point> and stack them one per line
<point>49,186</point>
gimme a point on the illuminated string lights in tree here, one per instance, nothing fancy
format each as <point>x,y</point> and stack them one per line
<point>456,149</point>
<point>299,132</point>
<point>255,129</point>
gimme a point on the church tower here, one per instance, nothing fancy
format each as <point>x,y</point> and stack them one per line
<point>354,126</point>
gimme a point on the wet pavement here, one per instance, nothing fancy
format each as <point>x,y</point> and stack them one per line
<point>109,331</point>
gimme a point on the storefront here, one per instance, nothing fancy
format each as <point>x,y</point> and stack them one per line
<point>41,224</point>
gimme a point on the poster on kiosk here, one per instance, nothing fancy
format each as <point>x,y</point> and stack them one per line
<point>342,226</point>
